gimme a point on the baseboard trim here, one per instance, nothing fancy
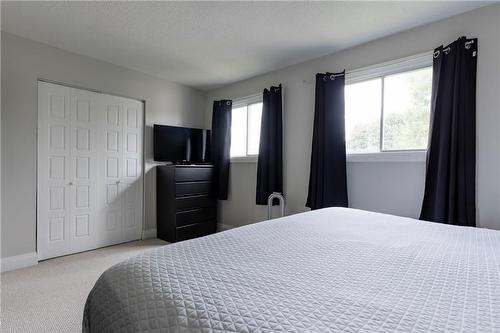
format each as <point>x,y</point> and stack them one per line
<point>19,261</point>
<point>224,227</point>
<point>149,233</point>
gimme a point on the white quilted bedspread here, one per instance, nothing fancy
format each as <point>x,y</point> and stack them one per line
<point>330,270</point>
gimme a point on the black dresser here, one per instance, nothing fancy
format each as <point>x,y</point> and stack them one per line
<point>185,205</point>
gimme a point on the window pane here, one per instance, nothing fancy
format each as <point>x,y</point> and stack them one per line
<point>254,117</point>
<point>239,132</point>
<point>362,116</point>
<point>407,110</point>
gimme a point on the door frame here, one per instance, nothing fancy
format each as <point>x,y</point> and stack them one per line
<point>143,167</point>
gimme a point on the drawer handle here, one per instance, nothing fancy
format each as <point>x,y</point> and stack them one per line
<point>194,182</point>
<point>191,211</point>
<point>193,196</point>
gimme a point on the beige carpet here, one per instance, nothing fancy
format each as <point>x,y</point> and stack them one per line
<point>50,296</point>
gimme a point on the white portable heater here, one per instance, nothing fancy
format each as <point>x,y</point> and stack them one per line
<point>281,199</point>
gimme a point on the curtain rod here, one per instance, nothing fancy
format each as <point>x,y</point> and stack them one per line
<point>447,49</point>
<point>411,60</point>
<point>332,74</point>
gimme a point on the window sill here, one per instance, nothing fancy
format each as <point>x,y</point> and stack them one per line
<point>399,156</point>
<point>244,159</point>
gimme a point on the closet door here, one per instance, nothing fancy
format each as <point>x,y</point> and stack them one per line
<point>132,167</point>
<point>84,171</point>
<point>111,169</point>
<point>89,178</point>
<point>121,168</point>
<point>53,196</point>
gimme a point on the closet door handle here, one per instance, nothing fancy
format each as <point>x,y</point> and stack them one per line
<point>117,182</point>
<point>70,184</point>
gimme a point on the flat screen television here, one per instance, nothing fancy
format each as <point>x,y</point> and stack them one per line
<point>181,145</point>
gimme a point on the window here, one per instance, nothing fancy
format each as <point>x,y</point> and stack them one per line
<point>245,126</point>
<point>389,109</point>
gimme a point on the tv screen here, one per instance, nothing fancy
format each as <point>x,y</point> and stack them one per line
<point>181,145</point>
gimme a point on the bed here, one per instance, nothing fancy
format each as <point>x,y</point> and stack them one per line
<point>329,270</point>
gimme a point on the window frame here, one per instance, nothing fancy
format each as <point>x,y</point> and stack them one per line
<point>245,102</point>
<point>380,71</point>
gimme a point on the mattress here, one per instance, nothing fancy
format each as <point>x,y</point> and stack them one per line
<point>329,270</point>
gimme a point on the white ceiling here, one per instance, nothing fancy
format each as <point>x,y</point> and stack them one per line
<point>208,44</point>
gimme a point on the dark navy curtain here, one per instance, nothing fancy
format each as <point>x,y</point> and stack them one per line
<point>221,143</point>
<point>450,184</point>
<point>328,179</point>
<point>270,162</point>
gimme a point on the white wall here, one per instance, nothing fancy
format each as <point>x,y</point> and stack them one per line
<point>396,187</point>
<point>23,62</point>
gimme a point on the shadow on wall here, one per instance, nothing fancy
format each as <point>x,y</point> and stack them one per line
<point>149,141</point>
<point>149,181</point>
<point>150,198</point>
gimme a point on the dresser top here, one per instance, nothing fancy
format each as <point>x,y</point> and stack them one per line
<point>189,165</point>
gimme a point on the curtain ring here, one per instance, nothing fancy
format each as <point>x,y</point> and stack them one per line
<point>447,50</point>
<point>332,77</point>
<point>436,53</point>
<point>324,77</point>
<point>228,103</point>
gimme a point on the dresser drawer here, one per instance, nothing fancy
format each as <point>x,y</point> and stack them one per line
<point>193,202</point>
<point>195,216</point>
<point>195,230</point>
<point>193,188</point>
<point>193,174</point>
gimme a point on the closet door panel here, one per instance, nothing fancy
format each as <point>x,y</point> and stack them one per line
<point>111,169</point>
<point>54,142</point>
<point>84,221</point>
<point>132,166</point>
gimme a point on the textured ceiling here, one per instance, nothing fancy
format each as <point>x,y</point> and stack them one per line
<point>209,44</point>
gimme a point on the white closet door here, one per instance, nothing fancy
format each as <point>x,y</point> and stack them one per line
<point>84,155</point>
<point>132,169</point>
<point>53,212</point>
<point>90,184</point>
<point>111,116</point>
<point>121,168</point>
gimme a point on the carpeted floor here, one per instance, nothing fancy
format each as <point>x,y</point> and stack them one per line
<point>50,296</point>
